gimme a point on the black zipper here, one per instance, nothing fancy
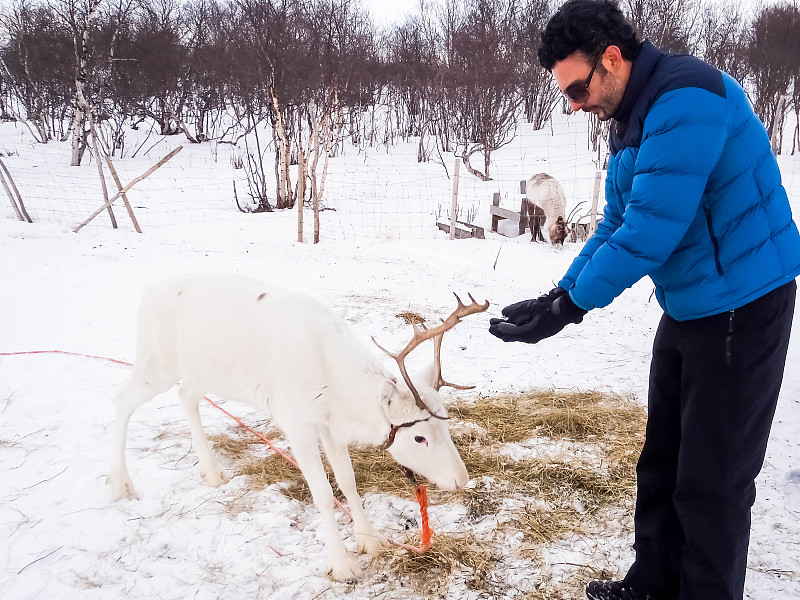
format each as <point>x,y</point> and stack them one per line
<point>729,338</point>
<point>713,240</point>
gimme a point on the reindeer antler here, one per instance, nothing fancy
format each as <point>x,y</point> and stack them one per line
<point>437,364</point>
<point>422,333</point>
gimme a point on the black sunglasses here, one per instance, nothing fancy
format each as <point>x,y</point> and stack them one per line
<point>578,91</point>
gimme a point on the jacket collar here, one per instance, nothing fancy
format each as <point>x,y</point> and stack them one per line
<point>643,66</point>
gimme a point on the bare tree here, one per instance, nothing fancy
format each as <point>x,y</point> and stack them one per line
<point>774,63</point>
<point>204,76</point>
<point>721,38</point>
<point>108,111</point>
<point>296,74</point>
<point>541,94</point>
<point>669,24</point>
<point>335,71</point>
<point>31,63</point>
<point>481,81</point>
<point>274,28</point>
<point>157,65</point>
<point>795,99</point>
<point>411,61</point>
<point>415,60</point>
<point>81,18</point>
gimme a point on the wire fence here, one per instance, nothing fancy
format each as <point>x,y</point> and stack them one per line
<point>379,193</point>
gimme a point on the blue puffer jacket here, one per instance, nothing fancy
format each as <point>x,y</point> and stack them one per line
<point>693,196</point>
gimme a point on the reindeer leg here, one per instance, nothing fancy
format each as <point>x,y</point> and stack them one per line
<point>140,388</point>
<point>209,467</point>
<point>368,540</point>
<point>305,447</point>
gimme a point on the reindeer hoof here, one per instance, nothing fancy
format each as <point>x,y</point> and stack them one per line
<point>214,477</point>
<point>370,544</point>
<point>121,487</point>
<point>346,569</point>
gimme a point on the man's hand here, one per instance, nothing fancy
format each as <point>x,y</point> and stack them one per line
<point>523,312</point>
<point>542,318</point>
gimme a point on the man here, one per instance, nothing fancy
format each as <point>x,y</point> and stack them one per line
<point>694,200</point>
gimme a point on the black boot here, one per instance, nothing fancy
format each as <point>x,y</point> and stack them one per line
<point>612,590</point>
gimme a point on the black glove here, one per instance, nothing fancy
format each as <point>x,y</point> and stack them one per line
<point>520,313</point>
<point>543,324</point>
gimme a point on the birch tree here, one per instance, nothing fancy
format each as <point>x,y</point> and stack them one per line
<point>340,42</point>
<point>273,25</point>
<point>80,16</point>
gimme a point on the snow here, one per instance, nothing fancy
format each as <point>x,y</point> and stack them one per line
<point>63,538</point>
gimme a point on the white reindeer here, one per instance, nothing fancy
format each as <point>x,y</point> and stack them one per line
<point>289,355</point>
<point>546,193</point>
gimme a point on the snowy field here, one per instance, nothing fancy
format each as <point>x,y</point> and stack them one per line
<point>78,292</point>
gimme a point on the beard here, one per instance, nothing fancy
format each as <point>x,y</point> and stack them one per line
<point>611,97</point>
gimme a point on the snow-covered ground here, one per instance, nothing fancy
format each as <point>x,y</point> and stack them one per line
<point>63,538</point>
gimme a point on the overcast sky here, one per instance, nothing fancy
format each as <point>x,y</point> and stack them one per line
<point>392,11</point>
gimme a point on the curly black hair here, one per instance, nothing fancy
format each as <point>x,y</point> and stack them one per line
<point>588,26</point>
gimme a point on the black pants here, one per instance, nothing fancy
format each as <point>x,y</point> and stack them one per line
<point>714,385</point>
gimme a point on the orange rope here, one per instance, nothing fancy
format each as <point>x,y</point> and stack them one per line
<point>426,533</point>
<point>259,435</point>
<point>119,362</point>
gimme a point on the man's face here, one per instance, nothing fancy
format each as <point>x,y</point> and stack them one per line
<point>606,87</point>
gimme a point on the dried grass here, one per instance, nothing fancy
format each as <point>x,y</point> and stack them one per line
<point>374,468</point>
<point>449,552</point>
<point>234,447</point>
<point>272,469</point>
<point>410,317</point>
<point>581,416</point>
<point>611,422</point>
<point>558,494</point>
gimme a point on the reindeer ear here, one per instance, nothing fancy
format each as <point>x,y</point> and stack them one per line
<point>429,376</point>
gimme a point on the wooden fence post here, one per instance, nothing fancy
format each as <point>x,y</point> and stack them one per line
<point>19,205</point>
<point>100,172</point>
<point>595,198</point>
<point>133,182</point>
<point>454,201</point>
<point>125,197</point>
<point>11,198</point>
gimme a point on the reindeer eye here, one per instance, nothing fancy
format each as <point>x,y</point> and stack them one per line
<point>419,439</point>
